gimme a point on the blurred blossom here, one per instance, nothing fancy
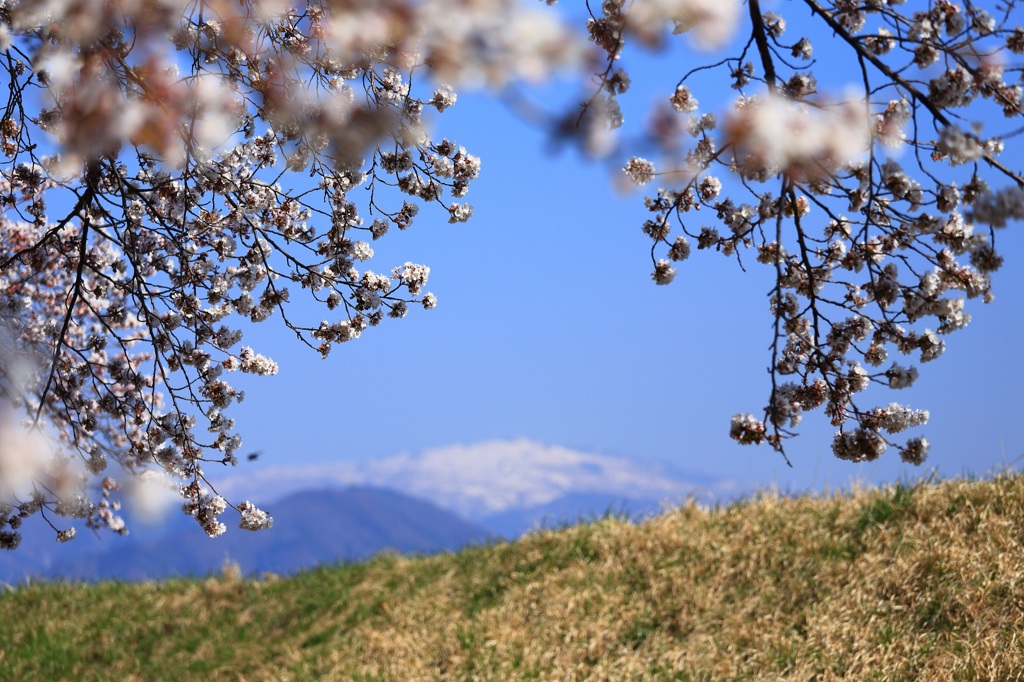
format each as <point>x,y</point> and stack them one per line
<point>773,134</point>
<point>150,496</point>
<point>25,457</point>
<point>710,24</point>
<point>491,42</point>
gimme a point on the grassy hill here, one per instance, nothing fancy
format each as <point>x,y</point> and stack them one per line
<point>921,582</point>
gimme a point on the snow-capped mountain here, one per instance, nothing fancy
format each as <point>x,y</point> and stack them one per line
<point>513,483</point>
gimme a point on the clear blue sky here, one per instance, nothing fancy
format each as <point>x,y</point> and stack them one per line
<point>550,328</point>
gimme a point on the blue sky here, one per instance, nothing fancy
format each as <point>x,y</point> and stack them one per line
<point>550,328</point>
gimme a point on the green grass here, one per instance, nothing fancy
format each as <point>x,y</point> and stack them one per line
<point>910,582</point>
<point>886,508</point>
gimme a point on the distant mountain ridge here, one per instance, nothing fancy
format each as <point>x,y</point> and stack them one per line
<point>508,486</point>
<point>310,528</point>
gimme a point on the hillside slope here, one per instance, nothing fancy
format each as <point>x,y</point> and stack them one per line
<point>908,583</point>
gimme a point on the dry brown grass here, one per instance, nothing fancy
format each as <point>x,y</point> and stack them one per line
<point>908,583</point>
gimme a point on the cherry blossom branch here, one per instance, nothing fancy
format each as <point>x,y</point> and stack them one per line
<point>894,77</point>
<point>92,177</point>
<point>761,39</point>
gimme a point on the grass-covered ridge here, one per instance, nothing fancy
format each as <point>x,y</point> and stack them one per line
<point>922,582</point>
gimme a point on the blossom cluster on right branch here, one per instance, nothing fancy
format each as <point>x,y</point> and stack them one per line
<point>875,208</point>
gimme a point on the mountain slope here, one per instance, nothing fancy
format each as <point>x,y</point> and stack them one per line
<point>907,583</point>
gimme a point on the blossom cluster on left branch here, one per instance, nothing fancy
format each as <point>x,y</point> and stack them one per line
<point>174,170</point>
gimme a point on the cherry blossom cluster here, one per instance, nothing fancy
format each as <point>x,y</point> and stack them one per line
<point>874,203</point>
